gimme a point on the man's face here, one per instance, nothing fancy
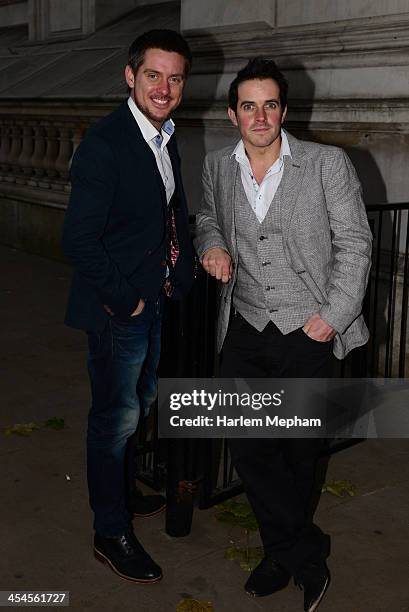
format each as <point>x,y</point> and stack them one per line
<point>259,113</point>
<point>157,86</point>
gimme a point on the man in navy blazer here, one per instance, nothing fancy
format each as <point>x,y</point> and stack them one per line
<point>126,234</point>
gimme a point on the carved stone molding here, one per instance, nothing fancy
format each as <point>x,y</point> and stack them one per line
<point>310,46</point>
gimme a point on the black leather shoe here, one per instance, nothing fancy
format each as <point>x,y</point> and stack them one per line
<point>141,505</point>
<point>127,558</point>
<point>314,580</point>
<point>267,578</point>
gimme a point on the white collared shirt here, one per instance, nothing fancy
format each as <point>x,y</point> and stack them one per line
<point>149,133</point>
<point>261,196</point>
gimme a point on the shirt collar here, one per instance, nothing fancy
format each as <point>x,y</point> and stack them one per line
<point>240,153</point>
<point>149,132</point>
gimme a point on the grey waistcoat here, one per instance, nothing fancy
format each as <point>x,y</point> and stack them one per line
<point>267,289</point>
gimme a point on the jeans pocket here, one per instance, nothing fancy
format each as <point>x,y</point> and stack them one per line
<point>129,319</point>
<point>139,313</point>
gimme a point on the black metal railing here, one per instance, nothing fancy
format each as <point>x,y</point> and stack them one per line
<point>388,291</point>
<point>189,351</point>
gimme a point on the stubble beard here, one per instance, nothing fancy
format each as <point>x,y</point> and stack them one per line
<point>155,120</point>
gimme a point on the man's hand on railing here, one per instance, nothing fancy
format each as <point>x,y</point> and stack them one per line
<point>217,262</point>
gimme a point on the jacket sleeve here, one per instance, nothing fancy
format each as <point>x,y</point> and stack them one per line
<point>208,232</point>
<point>351,245</point>
<point>94,177</point>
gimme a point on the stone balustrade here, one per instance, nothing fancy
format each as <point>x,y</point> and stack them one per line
<point>37,142</point>
<point>36,151</point>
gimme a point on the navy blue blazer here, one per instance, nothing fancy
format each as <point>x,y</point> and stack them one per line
<point>115,227</point>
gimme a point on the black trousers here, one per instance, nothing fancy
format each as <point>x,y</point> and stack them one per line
<point>279,474</point>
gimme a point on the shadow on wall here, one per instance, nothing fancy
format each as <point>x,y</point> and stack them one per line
<point>197,136</point>
<point>301,93</point>
<point>374,192</point>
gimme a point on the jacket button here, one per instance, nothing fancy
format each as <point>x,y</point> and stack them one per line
<point>163,262</point>
<point>263,238</point>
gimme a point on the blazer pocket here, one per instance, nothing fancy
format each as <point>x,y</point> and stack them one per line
<point>312,286</point>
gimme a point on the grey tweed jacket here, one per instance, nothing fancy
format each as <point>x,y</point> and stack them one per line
<point>326,237</point>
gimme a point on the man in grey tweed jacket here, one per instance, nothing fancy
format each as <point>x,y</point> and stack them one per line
<point>283,227</point>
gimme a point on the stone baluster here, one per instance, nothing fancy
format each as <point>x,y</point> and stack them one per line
<point>27,150</point>
<point>16,145</point>
<point>5,146</point>
<point>51,153</point>
<point>78,135</point>
<point>65,152</point>
<point>37,160</point>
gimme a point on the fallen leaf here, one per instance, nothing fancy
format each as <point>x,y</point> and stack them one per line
<point>21,429</point>
<point>339,488</point>
<point>247,557</point>
<point>194,605</point>
<point>55,423</point>
<point>238,514</point>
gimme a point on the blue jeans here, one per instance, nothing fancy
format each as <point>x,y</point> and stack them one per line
<point>122,364</point>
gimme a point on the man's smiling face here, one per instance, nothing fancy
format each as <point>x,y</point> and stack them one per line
<point>157,86</point>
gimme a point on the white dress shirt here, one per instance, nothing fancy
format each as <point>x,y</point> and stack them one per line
<point>151,136</point>
<point>261,196</point>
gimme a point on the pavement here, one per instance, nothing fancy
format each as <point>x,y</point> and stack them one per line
<point>46,525</point>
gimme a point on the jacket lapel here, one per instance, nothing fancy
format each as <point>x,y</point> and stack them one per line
<point>174,160</point>
<point>294,169</point>
<point>142,151</point>
<point>229,174</point>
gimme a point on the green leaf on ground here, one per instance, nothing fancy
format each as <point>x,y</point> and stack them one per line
<point>247,557</point>
<point>238,514</point>
<point>194,605</point>
<point>55,423</point>
<point>245,522</point>
<point>21,429</point>
<point>340,488</point>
